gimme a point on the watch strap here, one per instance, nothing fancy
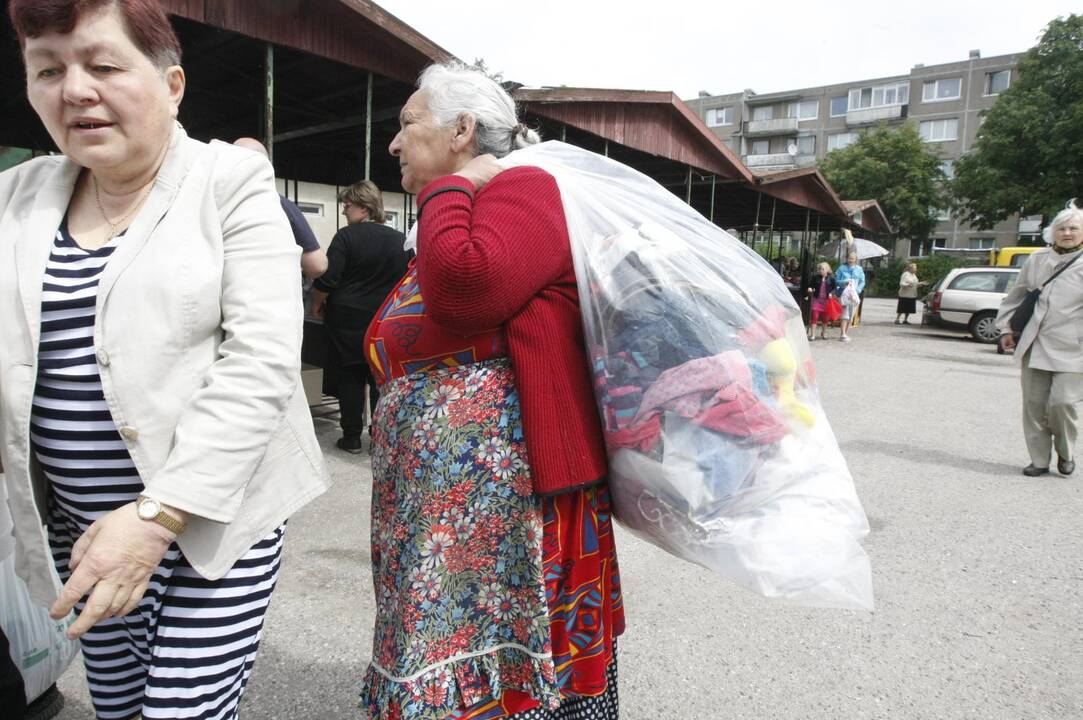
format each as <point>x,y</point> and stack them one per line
<point>163,518</point>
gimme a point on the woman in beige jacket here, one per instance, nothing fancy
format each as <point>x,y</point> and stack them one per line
<point>908,293</point>
<point>1050,347</point>
<point>153,429</point>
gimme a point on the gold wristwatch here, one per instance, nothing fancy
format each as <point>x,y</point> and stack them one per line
<point>151,510</point>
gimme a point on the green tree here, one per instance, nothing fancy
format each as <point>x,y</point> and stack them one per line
<point>895,167</point>
<point>1028,158</point>
<point>481,67</point>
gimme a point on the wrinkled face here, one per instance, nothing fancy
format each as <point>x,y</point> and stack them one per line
<point>354,213</point>
<point>911,268</point>
<point>851,259</point>
<point>1068,233</point>
<point>104,103</point>
<point>425,151</point>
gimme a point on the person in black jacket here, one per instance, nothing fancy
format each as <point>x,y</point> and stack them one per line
<point>820,288</point>
<point>365,260</point>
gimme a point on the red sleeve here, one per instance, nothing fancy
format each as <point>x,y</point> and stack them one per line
<point>480,259</point>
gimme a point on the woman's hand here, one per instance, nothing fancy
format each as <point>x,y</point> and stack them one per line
<point>481,170</point>
<point>115,557</point>
<point>1007,342</point>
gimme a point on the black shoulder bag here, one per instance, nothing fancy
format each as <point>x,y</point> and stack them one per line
<point>1023,313</point>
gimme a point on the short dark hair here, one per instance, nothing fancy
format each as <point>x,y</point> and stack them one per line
<point>365,194</point>
<point>145,21</point>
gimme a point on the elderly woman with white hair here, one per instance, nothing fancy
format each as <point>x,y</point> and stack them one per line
<point>1049,345</point>
<point>493,556</point>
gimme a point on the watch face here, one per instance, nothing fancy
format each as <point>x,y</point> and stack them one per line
<point>148,509</point>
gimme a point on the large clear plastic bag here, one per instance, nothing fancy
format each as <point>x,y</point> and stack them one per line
<point>39,645</point>
<point>719,450</point>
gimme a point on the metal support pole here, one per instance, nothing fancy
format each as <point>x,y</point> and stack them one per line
<point>269,101</point>
<point>605,150</point>
<point>564,132</point>
<point>771,230</point>
<point>713,179</point>
<point>688,187</point>
<point>368,129</point>
<point>756,225</point>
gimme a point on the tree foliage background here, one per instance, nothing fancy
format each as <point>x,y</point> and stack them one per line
<point>1028,157</point>
<point>895,167</point>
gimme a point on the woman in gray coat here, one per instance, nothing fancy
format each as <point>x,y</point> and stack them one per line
<point>1049,346</point>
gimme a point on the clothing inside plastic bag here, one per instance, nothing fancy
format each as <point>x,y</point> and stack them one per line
<point>719,450</point>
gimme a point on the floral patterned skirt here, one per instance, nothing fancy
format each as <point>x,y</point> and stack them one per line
<point>461,612</point>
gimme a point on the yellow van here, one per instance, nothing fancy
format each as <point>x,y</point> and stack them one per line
<point>1010,256</point>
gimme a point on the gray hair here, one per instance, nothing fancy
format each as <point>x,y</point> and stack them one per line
<point>1071,211</point>
<point>454,90</point>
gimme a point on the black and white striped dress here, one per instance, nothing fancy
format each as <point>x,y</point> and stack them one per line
<point>187,650</point>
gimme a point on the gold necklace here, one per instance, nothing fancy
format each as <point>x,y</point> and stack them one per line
<point>113,226</point>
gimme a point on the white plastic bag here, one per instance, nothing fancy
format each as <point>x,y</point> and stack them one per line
<point>39,646</point>
<point>719,450</point>
<point>849,295</point>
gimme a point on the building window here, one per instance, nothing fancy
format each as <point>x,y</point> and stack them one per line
<point>839,106</point>
<point>943,215</point>
<point>840,140</point>
<point>763,112</point>
<point>879,96</point>
<point>804,110</point>
<point>948,166</point>
<point>311,208</point>
<point>997,82</point>
<point>982,243</point>
<point>806,145</point>
<point>939,130</point>
<point>720,116</point>
<point>760,147</point>
<point>943,89</point>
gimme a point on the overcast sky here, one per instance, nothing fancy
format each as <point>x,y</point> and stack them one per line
<point>688,45</point>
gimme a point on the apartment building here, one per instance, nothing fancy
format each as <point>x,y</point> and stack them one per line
<point>796,128</point>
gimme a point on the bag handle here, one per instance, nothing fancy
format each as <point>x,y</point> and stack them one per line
<point>1062,269</point>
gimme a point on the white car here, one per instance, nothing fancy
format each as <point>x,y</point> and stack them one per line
<point>969,299</point>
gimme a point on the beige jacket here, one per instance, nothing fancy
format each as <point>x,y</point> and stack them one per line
<point>1054,334</point>
<point>198,336</point>
<point>908,285</point>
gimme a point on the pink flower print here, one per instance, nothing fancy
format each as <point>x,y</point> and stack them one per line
<point>490,450</point>
<point>507,464</point>
<point>432,549</point>
<point>447,393</point>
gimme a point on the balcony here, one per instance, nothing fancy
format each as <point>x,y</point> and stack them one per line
<point>772,161</point>
<point>780,126</point>
<point>868,116</point>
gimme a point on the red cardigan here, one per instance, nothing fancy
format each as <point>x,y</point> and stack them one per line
<point>503,258</point>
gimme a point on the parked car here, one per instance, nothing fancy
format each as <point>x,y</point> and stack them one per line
<point>1011,256</point>
<point>968,299</point>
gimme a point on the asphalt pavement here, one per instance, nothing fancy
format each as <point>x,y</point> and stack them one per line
<point>978,572</point>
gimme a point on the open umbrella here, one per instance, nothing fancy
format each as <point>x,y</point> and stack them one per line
<point>865,249</point>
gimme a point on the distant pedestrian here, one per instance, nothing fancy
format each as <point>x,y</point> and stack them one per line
<point>313,258</point>
<point>849,284</point>
<point>1050,348</point>
<point>365,260</point>
<point>908,293</point>
<point>820,289</point>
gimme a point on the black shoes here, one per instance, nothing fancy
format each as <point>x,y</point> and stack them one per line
<point>1031,471</point>
<point>1065,467</point>
<point>351,444</point>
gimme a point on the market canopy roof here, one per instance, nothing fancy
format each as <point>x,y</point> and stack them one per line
<point>869,215</point>
<point>323,52</point>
